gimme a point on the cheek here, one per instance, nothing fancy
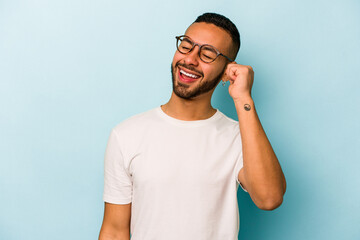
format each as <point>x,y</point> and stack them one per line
<point>177,57</point>
<point>211,72</point>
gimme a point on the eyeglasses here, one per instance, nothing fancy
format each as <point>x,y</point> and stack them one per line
<point>207,53</point>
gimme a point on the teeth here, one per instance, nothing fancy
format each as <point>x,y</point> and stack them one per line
<point>188,74</point>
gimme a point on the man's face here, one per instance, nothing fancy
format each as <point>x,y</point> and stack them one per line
<point>208,75</point>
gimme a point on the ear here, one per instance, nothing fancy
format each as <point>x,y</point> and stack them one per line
<point>224,76</point>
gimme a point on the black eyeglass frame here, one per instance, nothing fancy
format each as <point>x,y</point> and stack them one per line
<point>200,46</point>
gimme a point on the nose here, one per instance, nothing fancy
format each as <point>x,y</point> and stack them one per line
<point>192,58</point>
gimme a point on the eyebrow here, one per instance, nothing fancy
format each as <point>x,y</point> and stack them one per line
<point>188,39</point>
<point>205,44</point>
<point>210,48</point>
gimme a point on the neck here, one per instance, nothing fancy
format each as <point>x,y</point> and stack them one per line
<point>189,110</point>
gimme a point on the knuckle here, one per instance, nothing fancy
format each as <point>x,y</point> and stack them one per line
<point>245,69</point>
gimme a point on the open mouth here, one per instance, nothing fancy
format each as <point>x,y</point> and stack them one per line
<point>188,77</point>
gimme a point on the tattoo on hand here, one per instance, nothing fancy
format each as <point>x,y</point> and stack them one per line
<point>247,107</point>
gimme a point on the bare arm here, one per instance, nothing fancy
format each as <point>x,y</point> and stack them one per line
<point>116,223</point>
<point>261,174</point>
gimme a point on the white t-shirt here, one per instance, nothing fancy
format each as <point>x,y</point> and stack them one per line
<point>180,176</point>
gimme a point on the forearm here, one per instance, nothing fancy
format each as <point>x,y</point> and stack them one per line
<point>264,178</point>
<point>108,235</point>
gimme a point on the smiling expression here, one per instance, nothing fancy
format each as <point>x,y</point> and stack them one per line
<point>192,77</point>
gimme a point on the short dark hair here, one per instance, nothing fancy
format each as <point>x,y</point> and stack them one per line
<point>224,23</point>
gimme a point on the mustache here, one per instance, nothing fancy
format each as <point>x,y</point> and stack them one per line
<point>191,68</point>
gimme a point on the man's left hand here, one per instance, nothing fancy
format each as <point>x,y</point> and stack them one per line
<point>241,79</point>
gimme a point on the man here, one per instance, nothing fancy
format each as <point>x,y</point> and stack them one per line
<point>172,173</point>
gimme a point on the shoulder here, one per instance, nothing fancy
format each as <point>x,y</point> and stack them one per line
<point>228,122</point>
<point>131,132</point>
<point>136,122</point>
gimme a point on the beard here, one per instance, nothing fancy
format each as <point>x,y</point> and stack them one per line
<point>183,90</point>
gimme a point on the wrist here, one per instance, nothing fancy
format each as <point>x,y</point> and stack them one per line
<point>244,103</point>
<point>243,99</point>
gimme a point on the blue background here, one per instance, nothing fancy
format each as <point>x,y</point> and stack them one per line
<point>71,70</point>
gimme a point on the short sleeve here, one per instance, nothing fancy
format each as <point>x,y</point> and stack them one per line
<point>117,181</point>
<point>238,167</point>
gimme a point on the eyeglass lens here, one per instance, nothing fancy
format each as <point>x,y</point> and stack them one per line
<point>207,53</point>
